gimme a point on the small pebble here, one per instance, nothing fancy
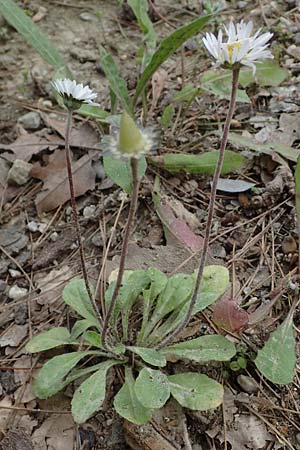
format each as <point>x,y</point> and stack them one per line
<point>54,236</point>
<point>32,226</point>
<point>247,290</point>
<point>16,292</point>
<point>97,240</point>
<point>74,246</point>
<point>14,273</point>
<point>89,212</point>
<point>19,173</point>
<point>31,120</point>
<point>247,384</point>
<point>68,210</point>
<point>87,17</point>
<point>42,227</point>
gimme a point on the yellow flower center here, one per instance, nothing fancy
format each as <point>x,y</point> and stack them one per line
<point>231,47</point>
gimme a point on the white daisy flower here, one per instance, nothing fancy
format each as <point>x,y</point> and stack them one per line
<point>240,47</point>
<point>129,141</point>
<point>74,94</point>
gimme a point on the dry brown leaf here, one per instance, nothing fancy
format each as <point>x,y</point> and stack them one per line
<point>16,440</point>
<point>145,438</point>
<point>14,335</point>
<point>51,284</point>
<point>56,186</point>
<point>175,227</point>
<point>85,136</point>
<point>27,145</point>
<point>158,83</point>
<point>56,432</point>
<point>248,432</point>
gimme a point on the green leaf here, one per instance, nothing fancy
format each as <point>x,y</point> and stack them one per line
<point>187,94</point>
<point>167,47</point>
<point>127,405</point>
<point>203,349</point>
<point>214,282</point>
<point>152,388</point>
<point>140,9</point>
<point>269,148</point>
<point>51,378</point>
<point>196,391</point>
<point>80,327</point>
<point>50,339</point>
<point>167,116</point>
<point>133,284</point>
<point>149,355</point>
<point>76,296</point>
<point>176,292</point>
<point>33,35</point>
<point>120,172</point>
<point>219,84</point>
<point>93,111</point>
<point>277,359</point>
<point>268,73</point>
<point>158,283</point>
<point>79,373</point>
<point>88,398</point>
<point>93,338</point>
<point>203,163</point>
<point>116,82</point>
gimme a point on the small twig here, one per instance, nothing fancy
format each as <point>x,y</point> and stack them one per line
<point>131,214</point>
<point>211,207</point>
<point>75,213</point>
<point>186,438</point>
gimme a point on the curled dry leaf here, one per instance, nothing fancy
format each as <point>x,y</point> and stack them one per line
<point>227,313</point>
<point>56,186</point>
<point>176,229</point>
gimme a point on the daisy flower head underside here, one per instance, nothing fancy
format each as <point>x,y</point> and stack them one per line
<point>74,94</point>
<point>240,47</point>
<point>129,141</point>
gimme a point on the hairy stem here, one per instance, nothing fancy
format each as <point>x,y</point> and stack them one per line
<point>75,213</point>
<point>130,219</point>
<point>211,208</point>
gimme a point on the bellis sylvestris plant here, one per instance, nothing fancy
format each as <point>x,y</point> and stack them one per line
<point>239,46</point>
<point>143,311</point>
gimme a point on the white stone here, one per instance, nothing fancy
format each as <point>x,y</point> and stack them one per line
<point>16,292</point>
<point>54,236</point>
<point>31,120</point>
<point>19,173</point>
<point>89,212</point>
<point>14,273</point>
<point>33,226</point>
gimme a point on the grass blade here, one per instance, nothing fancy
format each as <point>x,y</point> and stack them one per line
<point>116,82</point>
<point>167,47</point>
<point>33,35</point>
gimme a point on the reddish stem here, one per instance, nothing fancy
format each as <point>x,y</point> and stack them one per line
<point>211,208</point>
<point>75,213</point>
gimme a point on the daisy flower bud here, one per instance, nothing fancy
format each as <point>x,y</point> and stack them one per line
<point>239,46</point>
<point>130,141</point>
<point>73,94</point>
